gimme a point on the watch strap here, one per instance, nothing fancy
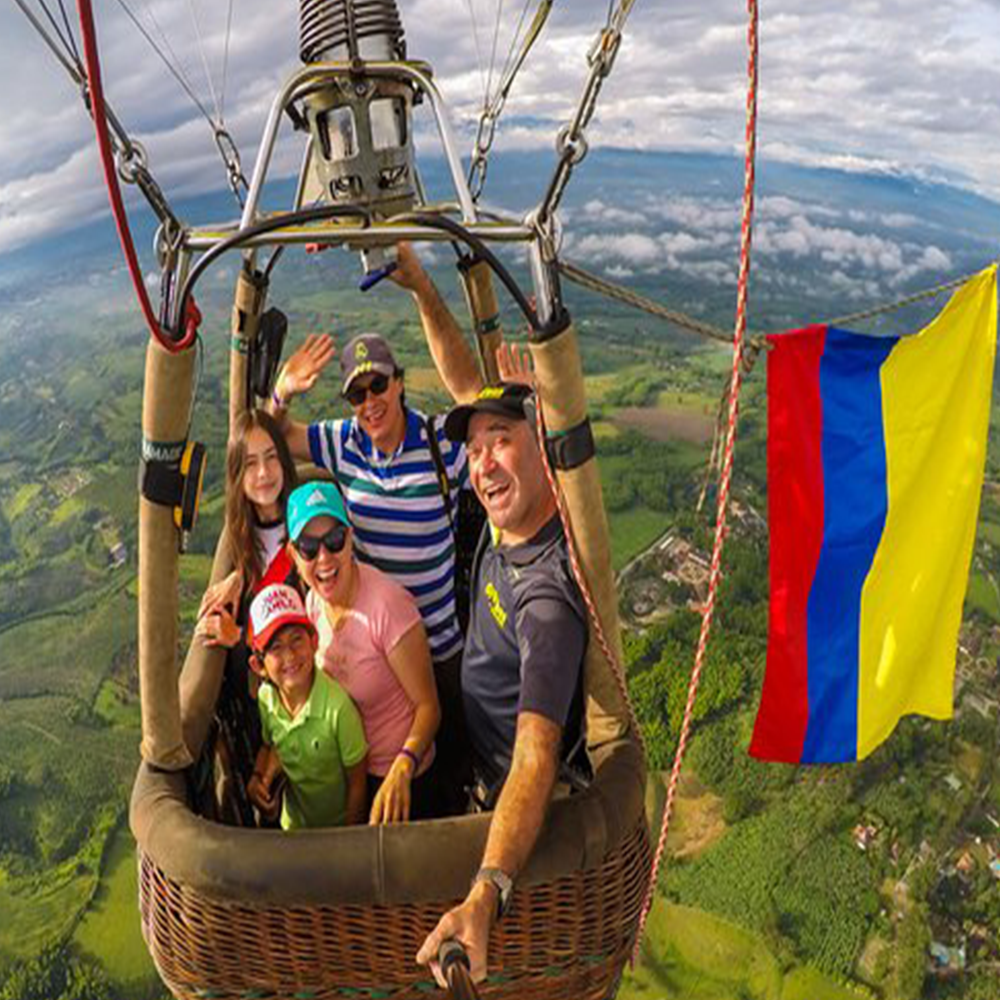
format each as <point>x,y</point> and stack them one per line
<point>503,884</point>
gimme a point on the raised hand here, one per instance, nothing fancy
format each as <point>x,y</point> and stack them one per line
<point>224,594</point>
<point>218,628</point>
<point>300,372</point>
<point>409,272</point>
<point>514,364</point>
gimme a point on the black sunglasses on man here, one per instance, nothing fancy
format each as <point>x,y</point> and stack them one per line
<point>357,394</point>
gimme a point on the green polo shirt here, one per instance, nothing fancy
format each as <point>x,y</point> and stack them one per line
<point>315,747</point>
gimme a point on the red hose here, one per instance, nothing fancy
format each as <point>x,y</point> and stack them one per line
<point>93,62</point>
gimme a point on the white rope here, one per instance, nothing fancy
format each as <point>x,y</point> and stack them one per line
<point>204,61</point>
<point>479,50</point>
<point>225,60</point>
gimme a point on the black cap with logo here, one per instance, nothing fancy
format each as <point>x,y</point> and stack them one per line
<point>506,399</point>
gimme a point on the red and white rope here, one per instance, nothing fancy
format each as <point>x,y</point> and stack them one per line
<point>725,478</point>
<point>88,33</point>
<point>597,627</point>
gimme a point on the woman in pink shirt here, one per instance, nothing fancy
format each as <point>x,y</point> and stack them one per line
<point>372,642</point>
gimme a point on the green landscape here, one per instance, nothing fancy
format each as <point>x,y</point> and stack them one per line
<point>782,883</point>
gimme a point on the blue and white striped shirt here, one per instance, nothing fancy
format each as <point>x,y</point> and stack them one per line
<point>398,514</point>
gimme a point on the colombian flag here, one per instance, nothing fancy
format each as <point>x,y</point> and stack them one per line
<point>876,452</point>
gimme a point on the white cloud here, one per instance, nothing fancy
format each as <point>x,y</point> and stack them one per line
<point>634,248</point>
<point>884,86</point>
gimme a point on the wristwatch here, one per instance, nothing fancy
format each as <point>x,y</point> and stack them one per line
<point>503,884</point>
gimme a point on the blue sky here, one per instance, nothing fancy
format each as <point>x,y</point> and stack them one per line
<point>872,85</point>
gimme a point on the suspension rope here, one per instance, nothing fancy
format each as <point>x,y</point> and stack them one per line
<point>76,72</point>
<point>493,109</point>
<point>204,61</point>
<point>739,334</point>
<point>225,59</point>
<point>175,71</point>
<point>591,281</point>
<point>571,142</point>
<point>475,39</point>
<point>493,52</point>
<point>67,41</point>
<point>514,39</point>
<point>88,34</point>
<point>224,142</point>
<point>69,33</point>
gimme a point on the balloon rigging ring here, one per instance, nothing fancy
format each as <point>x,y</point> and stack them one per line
<point>130,163</point>
<point>572,149</point>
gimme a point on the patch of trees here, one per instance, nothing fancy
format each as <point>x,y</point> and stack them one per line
<point>826,901</point>
<point>57,975</point>
<point>793,873</point>
<point>654,477</point>
<point>641,391</point>
<point>659,662</point>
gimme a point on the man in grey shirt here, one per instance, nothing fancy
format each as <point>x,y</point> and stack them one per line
<point>523,660</point>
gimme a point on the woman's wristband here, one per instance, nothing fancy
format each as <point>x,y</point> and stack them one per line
<point>411,757</point>
<point>280,403</point>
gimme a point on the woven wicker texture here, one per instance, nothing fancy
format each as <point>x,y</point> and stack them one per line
<point>562,940</point>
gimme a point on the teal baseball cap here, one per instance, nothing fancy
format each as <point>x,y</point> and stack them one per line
<point>314,500</point>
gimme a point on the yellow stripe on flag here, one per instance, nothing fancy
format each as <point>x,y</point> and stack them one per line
<point>936,389</point>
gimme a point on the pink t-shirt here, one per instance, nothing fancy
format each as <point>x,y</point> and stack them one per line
<point>356,656</point>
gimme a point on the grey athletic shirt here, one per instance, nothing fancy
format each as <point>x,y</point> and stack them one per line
<point>525,646</point>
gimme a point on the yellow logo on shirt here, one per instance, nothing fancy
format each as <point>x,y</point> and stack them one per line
<point>496,608</point>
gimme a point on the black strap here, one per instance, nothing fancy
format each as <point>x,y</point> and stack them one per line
<point>161,482</point>
<point>571,448</point>
<point>442,473</point>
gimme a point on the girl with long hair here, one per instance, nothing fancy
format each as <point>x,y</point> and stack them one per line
<point>260,475</point>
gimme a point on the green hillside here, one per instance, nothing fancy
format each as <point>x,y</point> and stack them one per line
<point>767,894</point>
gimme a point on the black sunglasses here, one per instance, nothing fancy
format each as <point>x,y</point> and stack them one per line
<point>333,541</point>
<point>359,393</point>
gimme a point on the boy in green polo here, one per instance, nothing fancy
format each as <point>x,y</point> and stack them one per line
<point>312,731</point>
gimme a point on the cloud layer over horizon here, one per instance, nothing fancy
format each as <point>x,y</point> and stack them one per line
<point>882,86</point>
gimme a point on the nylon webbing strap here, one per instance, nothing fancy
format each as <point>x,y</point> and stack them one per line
<point>160,478</point>
<point>489,325</point>
<point>570,449</point>
<point>442,473</point>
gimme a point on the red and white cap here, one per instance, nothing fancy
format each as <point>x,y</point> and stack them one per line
<point>273,608</point>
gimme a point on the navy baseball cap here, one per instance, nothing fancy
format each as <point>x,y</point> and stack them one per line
<point>506,399</point>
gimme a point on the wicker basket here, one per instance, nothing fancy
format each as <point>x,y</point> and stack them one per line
<point>240,914</point>
<point>562,940</point>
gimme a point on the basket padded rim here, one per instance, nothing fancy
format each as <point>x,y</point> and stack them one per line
<point>363,865</point>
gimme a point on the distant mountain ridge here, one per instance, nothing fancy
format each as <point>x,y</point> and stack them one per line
<point>513,185</point>
<point>667,223</point>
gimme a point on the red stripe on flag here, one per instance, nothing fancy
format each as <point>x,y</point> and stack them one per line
<point>795,516</point>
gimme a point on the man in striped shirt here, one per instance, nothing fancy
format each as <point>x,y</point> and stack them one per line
<point>381,459</point>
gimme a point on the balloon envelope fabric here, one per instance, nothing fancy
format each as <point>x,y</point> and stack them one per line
<point>876,454</point>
